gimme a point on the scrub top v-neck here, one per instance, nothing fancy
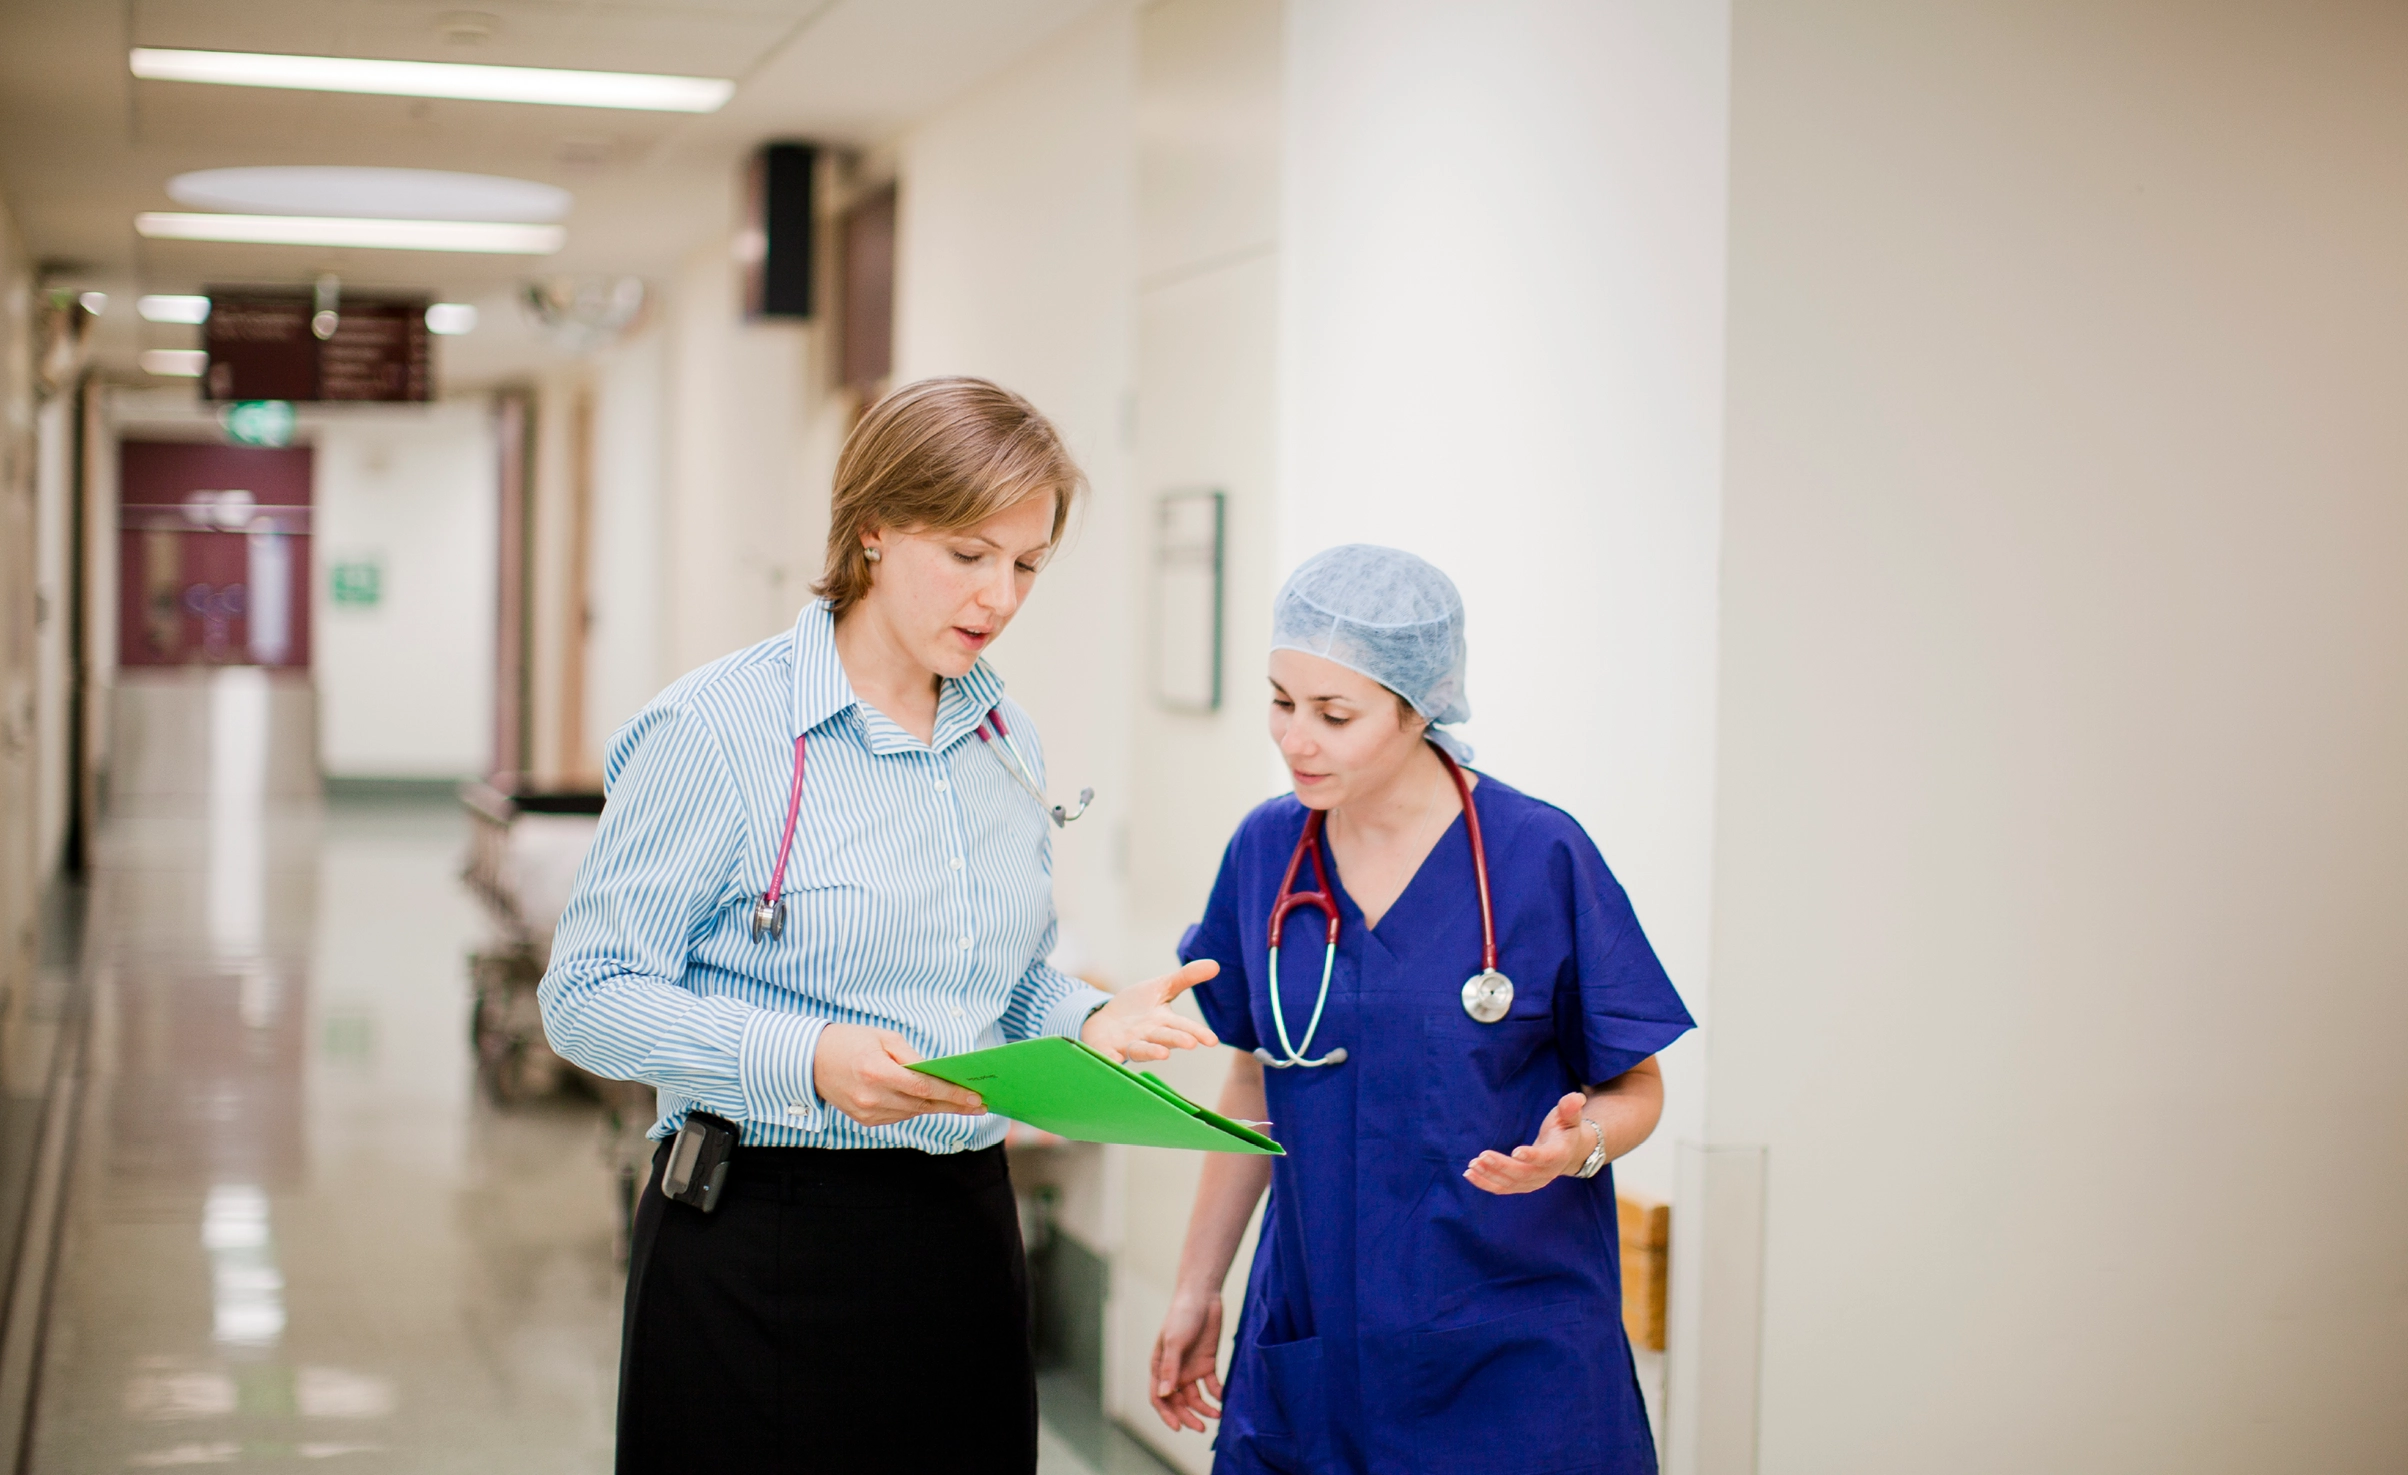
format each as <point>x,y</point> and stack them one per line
<point>1396,1317</point>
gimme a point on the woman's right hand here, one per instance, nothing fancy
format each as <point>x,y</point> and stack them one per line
<point>1187,1381</point>
<point>866,1074</point>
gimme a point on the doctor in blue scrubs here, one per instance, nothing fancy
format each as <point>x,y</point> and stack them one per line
<point>1437,1283</point>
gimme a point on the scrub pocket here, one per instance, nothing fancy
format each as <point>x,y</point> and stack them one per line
<point>1286,1423</point>
<point>1504,1397</point>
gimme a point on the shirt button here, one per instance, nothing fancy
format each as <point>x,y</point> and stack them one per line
<point>965,944</point>
<point>957,1011</point>
<point>957,862</point>
<point>940,786</point>
<point>798,1111</point>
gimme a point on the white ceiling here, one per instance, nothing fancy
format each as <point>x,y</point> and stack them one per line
<point>84,146</point>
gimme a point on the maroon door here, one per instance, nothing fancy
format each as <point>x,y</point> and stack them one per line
<point>213,555</point>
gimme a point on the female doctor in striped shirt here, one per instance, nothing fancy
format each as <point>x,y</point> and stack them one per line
<point>857,1293</point>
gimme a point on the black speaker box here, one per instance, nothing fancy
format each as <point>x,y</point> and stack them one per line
<point>777,278</point>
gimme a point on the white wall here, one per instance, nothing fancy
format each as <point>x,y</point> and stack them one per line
<point>1013,263</point>
<point>405,688</point>
<point>749,456</point>
<point>2059,938</point>
<point>1503,319</point>
<point>625,655</point>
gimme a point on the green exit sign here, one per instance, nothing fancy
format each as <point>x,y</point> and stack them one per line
<point>359,583</point>
<point>259,422</point>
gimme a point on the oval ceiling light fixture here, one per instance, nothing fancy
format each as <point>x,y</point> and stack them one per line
<point>383,194</point>
<point>644,91</point>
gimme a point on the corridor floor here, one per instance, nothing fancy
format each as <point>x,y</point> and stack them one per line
<point>295,1235</point>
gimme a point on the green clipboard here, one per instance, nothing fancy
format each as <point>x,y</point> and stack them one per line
<point>1074,1090</point>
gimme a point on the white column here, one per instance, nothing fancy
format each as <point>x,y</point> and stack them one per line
<point>1502,263</point>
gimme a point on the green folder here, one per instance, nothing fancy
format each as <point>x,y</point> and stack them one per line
<point>1074,1090</point>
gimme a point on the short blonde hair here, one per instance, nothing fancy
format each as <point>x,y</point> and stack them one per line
<point>938,456</point>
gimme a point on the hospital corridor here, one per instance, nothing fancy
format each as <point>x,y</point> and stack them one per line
<point>1203,737</point>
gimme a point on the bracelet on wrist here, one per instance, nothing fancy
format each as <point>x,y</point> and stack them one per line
<point>1596,1158</point>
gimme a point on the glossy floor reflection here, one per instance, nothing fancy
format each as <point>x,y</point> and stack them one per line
<point>294,1234</point>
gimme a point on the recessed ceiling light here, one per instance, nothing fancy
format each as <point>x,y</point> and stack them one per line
<point>474,82</point>
<point>381,194</point>
<point>175,363</point>
<point>451,317</point>
<point>165,309</point>
<point>369,233</point>
<point>94,303</point>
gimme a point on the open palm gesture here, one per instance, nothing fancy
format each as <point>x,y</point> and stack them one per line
<point>1563,1143</point>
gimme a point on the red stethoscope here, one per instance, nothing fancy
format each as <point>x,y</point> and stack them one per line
<point>1487,994</point>
<point>769,914</point>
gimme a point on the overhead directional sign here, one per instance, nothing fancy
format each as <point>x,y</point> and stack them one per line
<point>277,344</point>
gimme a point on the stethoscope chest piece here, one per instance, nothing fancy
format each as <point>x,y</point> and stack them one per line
<point>1487,995</point>
<point>769,919</point>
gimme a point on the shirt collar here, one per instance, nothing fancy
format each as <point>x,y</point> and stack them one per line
<point>822,690</point>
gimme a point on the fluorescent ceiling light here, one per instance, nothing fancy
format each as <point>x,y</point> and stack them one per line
<point>160,309</point>
<point>339,230</point>
<point>649,92</point>
<point>451,317</point>
<point>176,363</point>
<point>386,194</point>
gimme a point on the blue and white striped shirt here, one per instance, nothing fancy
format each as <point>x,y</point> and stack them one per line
<point>919,896</point>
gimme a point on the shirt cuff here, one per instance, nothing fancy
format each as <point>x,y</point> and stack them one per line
<point>774,1069</point>
<point>1069,1013</point>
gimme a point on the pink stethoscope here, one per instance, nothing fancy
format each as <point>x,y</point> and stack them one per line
<point>1487,994</point>
<point>769,914</point>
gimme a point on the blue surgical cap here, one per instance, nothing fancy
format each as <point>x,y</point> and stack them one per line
<point>1388,615</point>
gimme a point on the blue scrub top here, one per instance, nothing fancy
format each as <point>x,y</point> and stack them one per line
<point>1397,1318</point>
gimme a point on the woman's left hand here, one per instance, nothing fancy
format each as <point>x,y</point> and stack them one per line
<point>1139,1023</point>
<point>1564,1143</point>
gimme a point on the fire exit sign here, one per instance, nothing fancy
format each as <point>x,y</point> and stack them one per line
<point>358,582</point>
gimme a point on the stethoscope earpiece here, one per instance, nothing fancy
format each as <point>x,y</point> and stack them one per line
<point>1007,753</point>
<point>1086,797</point>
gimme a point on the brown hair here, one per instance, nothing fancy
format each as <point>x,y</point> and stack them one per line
<point>939,455</point>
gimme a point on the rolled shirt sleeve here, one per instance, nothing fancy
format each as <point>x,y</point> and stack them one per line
<point>664,862</point>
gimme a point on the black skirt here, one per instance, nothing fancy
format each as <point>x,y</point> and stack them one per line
<point>840,1312</point>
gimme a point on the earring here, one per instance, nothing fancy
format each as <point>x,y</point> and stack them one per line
<point>869,553</point>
